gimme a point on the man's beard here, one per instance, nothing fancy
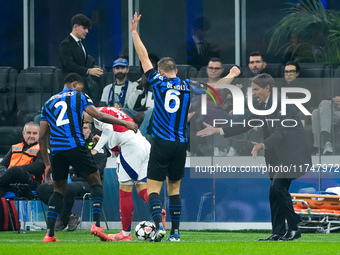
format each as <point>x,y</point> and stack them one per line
<point>256,71</point>
<point>120,76</point>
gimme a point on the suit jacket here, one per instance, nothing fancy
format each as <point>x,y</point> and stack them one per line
<point>73,58</point>
<point>286,146</point>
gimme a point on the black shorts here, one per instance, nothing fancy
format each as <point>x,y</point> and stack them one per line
<point>166,159</point>
<point>79,158</point>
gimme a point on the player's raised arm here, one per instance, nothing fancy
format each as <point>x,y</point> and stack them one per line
<point>139,46</point>
<point>95,113</point>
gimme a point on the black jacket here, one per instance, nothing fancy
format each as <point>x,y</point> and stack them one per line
<point>286,146</point>
<point>72,57</point>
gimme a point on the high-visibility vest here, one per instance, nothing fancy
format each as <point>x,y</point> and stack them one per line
<point>20,157</point>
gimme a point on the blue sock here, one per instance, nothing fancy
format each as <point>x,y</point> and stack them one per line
<point>97,196</point>
<point>54,208</point>
<point>155,206</point>
<point>175,208</point>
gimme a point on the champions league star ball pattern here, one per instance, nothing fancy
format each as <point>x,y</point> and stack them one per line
<point>145,230</point>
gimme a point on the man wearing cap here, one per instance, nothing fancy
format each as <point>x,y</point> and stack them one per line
<point>120,93</point>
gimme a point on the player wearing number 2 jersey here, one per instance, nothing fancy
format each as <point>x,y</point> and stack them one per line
<point>62,117</point>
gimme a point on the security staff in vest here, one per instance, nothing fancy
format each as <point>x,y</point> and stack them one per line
<point>23,163</point>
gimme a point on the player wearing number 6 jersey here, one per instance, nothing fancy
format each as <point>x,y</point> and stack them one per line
<point>132,164</point>
<point>61,117</point>
<point>172,98</point>
<point>169,127</point>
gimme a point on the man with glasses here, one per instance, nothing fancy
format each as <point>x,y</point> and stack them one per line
<point>291,72</point>
<point>214,70</point>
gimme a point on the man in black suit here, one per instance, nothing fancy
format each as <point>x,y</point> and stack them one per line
<point>74,57</point>
<point>284,146</point>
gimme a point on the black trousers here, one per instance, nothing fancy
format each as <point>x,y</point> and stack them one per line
<point>74,190</point>
<point>15,174</point>
<point>281,206</point>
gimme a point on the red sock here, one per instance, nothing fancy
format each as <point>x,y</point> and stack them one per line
<point>144,195</point>
<point>126,209</point>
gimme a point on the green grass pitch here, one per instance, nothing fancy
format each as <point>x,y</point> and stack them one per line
<point>192,242</point>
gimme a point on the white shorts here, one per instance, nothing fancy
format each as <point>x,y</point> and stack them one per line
<point>132,162</point>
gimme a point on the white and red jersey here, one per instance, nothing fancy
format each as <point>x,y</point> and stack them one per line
<point>118,113</point>
<point>114,135</point>
<point>134,148</point>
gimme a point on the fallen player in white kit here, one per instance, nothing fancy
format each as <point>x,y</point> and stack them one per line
<point>132,163</point>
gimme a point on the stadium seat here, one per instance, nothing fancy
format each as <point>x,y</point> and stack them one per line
<point>8,78</point>
<point>22,192</point>
<point>135,72</point>
<point>57,81</point>
<point>33,89</point>
<point>186,72</point>
<point>9,135</point>
<point>316,78</point>
<point>274,69</point>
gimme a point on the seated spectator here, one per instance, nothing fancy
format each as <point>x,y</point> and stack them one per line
<point>322,117</point>
<point>256,64</point>
<point>291,72</point>
<point>214,71</point>
<point>77,188</point>
<point>134,98</point>
<point>23,163</point>
<point>121,92</point>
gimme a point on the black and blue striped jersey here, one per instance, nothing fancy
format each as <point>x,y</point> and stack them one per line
<point>172,98</point>
<point>63,112</point>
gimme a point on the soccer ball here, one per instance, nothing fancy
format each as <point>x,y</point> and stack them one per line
<point>145,230</point>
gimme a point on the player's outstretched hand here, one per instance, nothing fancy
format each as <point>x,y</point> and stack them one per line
<point>134,22</point>
<point>209,130</point>
<point>131,125</point>
<point>257,147</point>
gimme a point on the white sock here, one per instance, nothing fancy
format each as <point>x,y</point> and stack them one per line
<point>126,233</point>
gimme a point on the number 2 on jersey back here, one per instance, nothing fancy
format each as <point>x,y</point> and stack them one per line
<point>172,94</point>
<point>61,114</point>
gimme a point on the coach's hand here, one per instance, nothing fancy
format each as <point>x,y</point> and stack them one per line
<point>256,148</point>
<point>209,130</point>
